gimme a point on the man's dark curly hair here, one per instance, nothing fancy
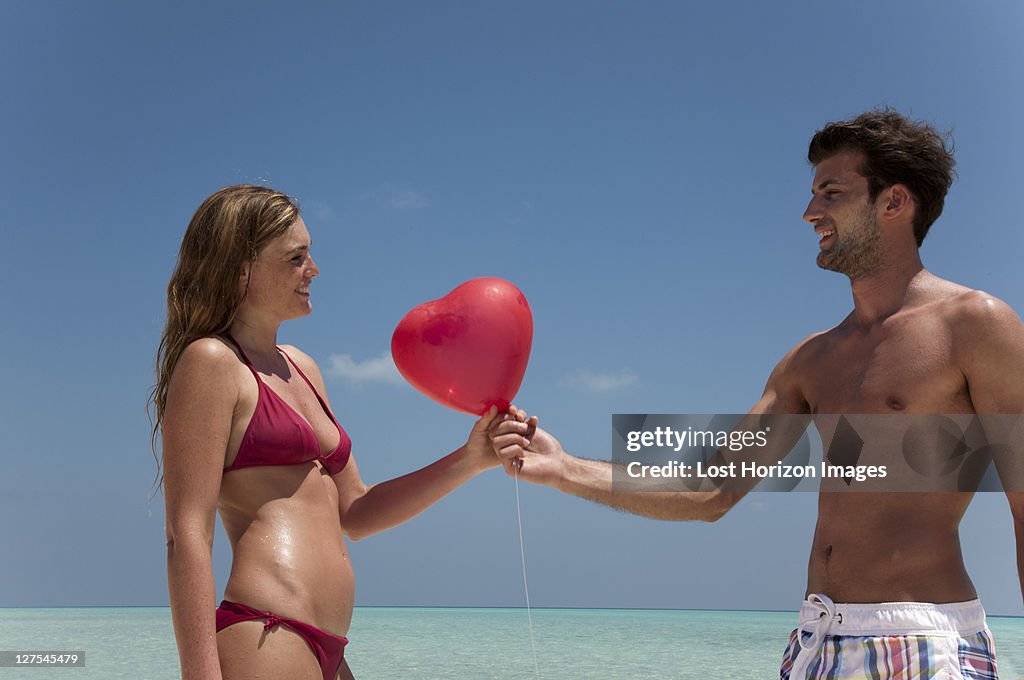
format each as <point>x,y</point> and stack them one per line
<point>897,150</point>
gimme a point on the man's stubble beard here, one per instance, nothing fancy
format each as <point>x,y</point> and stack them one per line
<point>857,251</point>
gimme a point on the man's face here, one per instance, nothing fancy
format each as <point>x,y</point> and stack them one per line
<point>843,217</point>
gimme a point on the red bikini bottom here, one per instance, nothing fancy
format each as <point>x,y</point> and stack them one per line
<point>328,648</point>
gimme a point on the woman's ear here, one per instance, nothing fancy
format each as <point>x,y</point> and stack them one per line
<point>243,278</point>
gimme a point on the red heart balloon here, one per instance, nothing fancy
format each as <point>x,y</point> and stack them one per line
<point>469,349</point>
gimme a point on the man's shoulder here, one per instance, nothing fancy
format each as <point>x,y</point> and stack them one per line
<point>816,342</point>
<point>974,312</point>
<point>803,353</point>
<point>987,340</point>
<point>980,326</point>
<point>977,320</point>
<point>957,302</point>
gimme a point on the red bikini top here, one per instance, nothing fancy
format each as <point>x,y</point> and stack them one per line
<point>278,435</point>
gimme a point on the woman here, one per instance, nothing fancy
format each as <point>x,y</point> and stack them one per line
<point>247,430</point>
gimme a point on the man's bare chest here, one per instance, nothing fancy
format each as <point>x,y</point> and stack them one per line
<point>907,365</point>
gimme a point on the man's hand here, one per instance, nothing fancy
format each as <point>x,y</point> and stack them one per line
<point>526,450</point>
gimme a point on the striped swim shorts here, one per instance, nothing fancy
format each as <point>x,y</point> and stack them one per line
<point>890,641</point>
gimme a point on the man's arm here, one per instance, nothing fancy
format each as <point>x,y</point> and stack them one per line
<point>544,461</point>
<point>989,340</point>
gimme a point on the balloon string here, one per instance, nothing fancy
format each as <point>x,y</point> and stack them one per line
<point>526,585</point>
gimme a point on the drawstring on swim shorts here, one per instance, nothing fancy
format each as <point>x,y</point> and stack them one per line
<point>818,628</point>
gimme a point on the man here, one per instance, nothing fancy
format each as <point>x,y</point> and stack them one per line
<point>913,344</point>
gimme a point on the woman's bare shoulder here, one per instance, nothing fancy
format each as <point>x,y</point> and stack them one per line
<point>208,358</point>
<point>301,358</point>
<point>210,348</point>
<point>307,364</point>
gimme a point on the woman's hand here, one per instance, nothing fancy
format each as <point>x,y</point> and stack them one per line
<point>478,447</point>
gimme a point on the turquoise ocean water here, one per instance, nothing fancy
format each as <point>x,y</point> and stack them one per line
<point>464,644</point>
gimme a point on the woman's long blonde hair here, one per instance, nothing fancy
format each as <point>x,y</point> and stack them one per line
<point>226,233</point>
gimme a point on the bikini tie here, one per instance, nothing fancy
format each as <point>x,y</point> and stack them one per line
<point>272,620</point>
<point>818,628</point>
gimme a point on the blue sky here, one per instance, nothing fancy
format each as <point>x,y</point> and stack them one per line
<point>637,169</point>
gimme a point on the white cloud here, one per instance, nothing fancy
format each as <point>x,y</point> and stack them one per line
<point>397,197</point>
<point>407,199</point>
<point>378,369</point>
<point>591,381</point>
<point>321,210</point>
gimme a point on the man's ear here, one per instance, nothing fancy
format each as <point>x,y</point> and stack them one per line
<point>897,200</point>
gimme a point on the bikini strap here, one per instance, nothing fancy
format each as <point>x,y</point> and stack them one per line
<point>318,397</point>
<point>240,351</point>
<point>252,368</point>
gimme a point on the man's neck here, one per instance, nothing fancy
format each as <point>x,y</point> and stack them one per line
<point>882,293</point>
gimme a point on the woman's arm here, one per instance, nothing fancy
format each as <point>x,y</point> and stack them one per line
<point>201,400</point>
<point>367,510</point>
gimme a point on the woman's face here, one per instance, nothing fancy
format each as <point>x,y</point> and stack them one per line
<point>279,278</point>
